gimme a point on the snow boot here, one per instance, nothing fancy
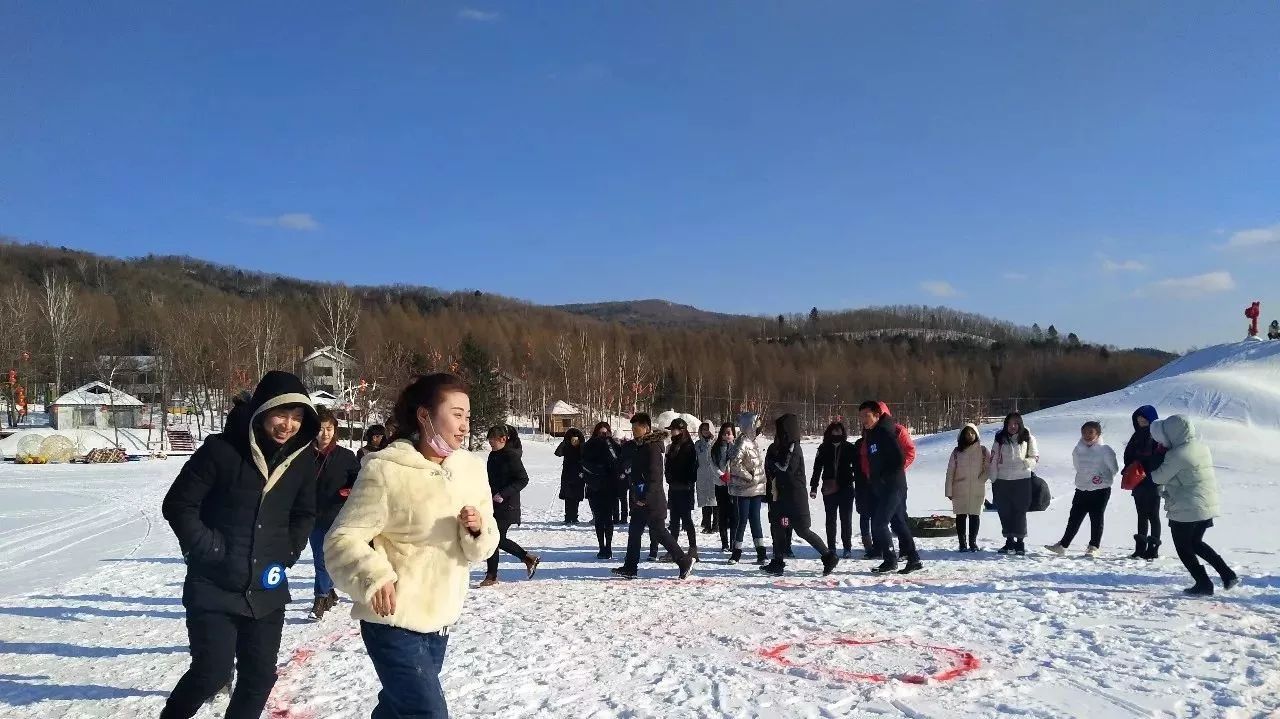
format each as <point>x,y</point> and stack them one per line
<point>332,598</point>
<point>1139,547</point>
<point>1020,548</point>
<point>489,580</point>
<point>1230,581</point>
<point>602,554</point>
<point>318,608</point>
<point>1009,544</point>
<point>1153,550</point>
<point>890,564</point>
<point>762,556</point>
<point>775,567</point>
<point>686,567</point>
<point>830,562</point>
<point>625,572</point>
<point>735,557</point>
<point>1057,549</point>
<point>964,545</point>
<point>1203,587</point>
<point>531,562</point>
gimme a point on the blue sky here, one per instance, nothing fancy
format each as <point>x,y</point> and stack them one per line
<point>1113,168</point>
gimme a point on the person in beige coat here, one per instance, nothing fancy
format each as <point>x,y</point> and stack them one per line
<point>419,515</point>
<point>967,485</point>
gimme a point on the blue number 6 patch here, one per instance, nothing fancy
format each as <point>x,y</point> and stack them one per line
<point>273,576</point>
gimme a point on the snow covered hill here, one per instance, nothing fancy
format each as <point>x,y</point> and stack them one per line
<point>93,624</point>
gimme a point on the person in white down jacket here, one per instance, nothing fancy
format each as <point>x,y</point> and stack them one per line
<point>1096,468</point>
<point>1014,457</point>
<point>1190,489</point>
<point>419,515</point>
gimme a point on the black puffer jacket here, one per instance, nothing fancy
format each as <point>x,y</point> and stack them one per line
<point>507,478</point>
<point>1144,449</point>
<point>681,465</point>
<point>572,485</point>
<point>833,468</point>
<point>646,476</point>
<point>600,456</point>
<point>784,472</point>
<point>335,476</point>
<point>243,508</point>
<point>884,456</point>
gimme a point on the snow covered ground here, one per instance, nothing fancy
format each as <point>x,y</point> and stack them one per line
<point>93,626</point>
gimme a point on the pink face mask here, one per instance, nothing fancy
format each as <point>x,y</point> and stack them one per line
<point>438,445</point>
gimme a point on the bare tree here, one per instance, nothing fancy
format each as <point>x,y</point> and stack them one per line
<point>264,329</point>
<point>17,312</point>
<point>562,355</point>
<point>62,314</point>
<point>336,326</point>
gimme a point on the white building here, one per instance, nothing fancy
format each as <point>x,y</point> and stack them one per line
<point>95,406</point>
<point>321,369</point>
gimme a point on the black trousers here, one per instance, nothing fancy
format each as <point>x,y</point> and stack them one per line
<point>967,526</point>
<point>839,507</point>
<point>505,544</point>
<point>727,511</point>
<point>571,510</point>
<point>1147,501</point>
<point>642,524</point>
<point>1188,540</point>
<point>1013,500</point>
<point>803,531</point>
<point>889,513</point>
<point>220,642</point>
<point>781,535</point>
<point>681,505</point>
<point>602,508</point>
<point>1091,504</point>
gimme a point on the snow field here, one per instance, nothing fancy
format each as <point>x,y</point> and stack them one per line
<point>93,622</point>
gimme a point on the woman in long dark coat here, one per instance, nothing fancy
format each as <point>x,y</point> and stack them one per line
<point>600,457</point>
<point>572,487</point>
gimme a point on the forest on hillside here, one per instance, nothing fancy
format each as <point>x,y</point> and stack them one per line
<point>65,314</point>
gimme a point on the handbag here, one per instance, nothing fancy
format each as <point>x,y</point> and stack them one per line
<point>1041,497</point>
<point>1132,476</point>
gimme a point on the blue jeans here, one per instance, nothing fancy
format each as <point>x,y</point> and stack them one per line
<point>408,665</point>
<point>324,584</point>
<point>748,511</point>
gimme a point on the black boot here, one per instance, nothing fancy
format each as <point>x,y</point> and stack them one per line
<point>890,564</point>
<point>735,557</point>
<point>1230,580</point>
<point>775,567</point>
<point>1139,547</point>
<point>1009,544</point>
<point>913,565</point>
<point>1203,587</point>
<point>762,556</point>
<point>1153,550</point>
<point>1020,548</point>
<point>829,563</point>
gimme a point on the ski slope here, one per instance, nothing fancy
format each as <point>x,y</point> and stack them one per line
<point>93,625</point>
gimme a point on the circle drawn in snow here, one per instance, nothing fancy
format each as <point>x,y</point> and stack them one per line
<point>962,662</point>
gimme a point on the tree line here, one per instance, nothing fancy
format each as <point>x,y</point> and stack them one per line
<point>216,329</point>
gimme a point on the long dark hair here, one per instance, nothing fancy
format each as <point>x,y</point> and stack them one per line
<point>599,426</point>
<point>720,445</point>
<point>424,391</point>
<point>963,445</point>
<point>1024,434</point>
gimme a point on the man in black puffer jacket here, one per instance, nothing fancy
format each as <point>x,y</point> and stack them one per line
<point>887,472</point>
<point>336,472</point>
<point>789,500</point>
<point>242,508</point>
<point>648,499</point>
<point>681,469</point>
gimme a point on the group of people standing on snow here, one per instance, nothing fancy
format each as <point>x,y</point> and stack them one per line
<point>399,529</point>
<point>1163,459</point>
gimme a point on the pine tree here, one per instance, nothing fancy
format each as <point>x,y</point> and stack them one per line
<point>782,326</point>
<point>1073,340</point>
<point>1053,334</point>
<point>488,406</point>
<point>813,319</point>
<point>1037,334</point>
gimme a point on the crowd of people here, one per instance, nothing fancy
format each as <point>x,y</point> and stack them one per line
<point>398,525</point>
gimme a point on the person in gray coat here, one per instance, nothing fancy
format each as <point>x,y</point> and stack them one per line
<point>1190,489</point>
<point>708,478</point>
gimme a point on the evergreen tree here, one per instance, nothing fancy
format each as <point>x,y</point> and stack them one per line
<point>1053,334</point>
<point>1073,340</point>
<point>488,406</point>
<point>1037,334</point>
<point>813,319</point>
<point>782,326</point>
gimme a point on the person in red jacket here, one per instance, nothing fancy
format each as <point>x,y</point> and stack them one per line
<point>885,452</point>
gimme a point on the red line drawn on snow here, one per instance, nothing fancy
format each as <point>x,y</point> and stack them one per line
<point>280,705</point>
<point>963,662</point>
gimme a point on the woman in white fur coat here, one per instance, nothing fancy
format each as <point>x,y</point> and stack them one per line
<point>419,515</point>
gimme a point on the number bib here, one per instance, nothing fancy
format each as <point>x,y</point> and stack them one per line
<point>273,576</point>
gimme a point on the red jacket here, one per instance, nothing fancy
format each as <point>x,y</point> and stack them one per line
<point>905,442</point>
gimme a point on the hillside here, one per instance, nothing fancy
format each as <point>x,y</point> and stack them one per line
<point>221,325</point>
